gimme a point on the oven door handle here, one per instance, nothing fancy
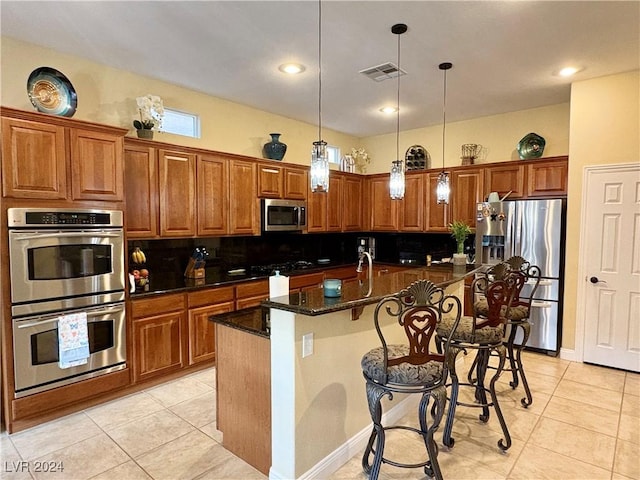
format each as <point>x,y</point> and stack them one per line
<point>68,234</point>
<point>101,312</point>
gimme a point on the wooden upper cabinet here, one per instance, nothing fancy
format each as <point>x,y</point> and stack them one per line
<point>547,178</point>
<point>212,175</point>
<point>352,201</point>
<point>466,192</point>
<point>270,181</point>
<point>141,191</point>
<point>33,160</point>
<point>243,198</point>
<point>412,212</point>
<point>335,205</point>
<point>317,211</point>
<point>96,166</point>
<point>383,210</point>
<point>296,181</point>
<point>177,186</point>
<point>504,178</point>
<point>437,215</point>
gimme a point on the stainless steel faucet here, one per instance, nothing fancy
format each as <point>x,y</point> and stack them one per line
<point>361,257</point>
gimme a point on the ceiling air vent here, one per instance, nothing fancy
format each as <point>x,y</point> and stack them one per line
<point>382,72</point>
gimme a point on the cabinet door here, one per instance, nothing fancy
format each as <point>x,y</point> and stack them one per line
<point>212,192</point>
<point>317,211</point>
<point>507,178</point>
<point>201,332</point>
<point>141,191</point>
<point>270,181</point>
<point>412,205</point>
<point>547,178</point>
<point>243,199</point>
<point>157,345</point>
<point>335,205</point>
<point>384,211</point>
<point>177,193</point>
<point>437,215</point>
<point>33,160</point>
<point>466,192</point>
<point>97,166</point>
<point>296,182</point>
<point>352,204</point>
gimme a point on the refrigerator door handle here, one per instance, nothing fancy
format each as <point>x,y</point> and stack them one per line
<point>540,304</point>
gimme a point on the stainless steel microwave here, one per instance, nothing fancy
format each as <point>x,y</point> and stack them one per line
<point>283,215</point>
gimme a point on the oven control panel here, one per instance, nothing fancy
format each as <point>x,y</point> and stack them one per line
<point>31,217</point>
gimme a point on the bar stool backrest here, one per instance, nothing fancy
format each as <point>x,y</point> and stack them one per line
<point>500,295</point>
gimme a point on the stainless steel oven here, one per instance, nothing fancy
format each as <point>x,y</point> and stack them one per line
<point>65,261</point>
<point>35,346</point>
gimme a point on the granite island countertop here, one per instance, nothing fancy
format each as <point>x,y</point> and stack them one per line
<point>358,293</point>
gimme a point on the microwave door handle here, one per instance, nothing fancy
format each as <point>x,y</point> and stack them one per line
<point>69,234</point>
<point>96,313</point>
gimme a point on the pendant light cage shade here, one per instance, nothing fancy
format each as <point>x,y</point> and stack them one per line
<point>396,178</point>
<point>319,167</point>
<point>443,189</point>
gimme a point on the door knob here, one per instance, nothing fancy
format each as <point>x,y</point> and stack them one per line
<point>596,280</point>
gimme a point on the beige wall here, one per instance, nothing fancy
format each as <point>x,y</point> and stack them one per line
<point>605,129</point>
<point>107,95</point>
<point>498,134</point>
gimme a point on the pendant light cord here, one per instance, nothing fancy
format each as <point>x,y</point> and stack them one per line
<point>398,107</point>
<point>319,70</point>
<point>444,116</point>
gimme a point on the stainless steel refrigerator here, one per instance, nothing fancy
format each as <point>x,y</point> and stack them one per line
<point>535,230</point>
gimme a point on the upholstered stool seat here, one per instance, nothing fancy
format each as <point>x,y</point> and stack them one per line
<point>409,368</point>
<point>466,333</point>
<point>404,373</point>
<point>517,313</point>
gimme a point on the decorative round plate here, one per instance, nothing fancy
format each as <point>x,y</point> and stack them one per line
<point>51,92</point>
<point>531,146</point>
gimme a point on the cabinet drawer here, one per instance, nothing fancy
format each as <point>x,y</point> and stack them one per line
<point>210,296</point>
<point>309,280</point>
<point>160,304</point>
<point>252,289</point>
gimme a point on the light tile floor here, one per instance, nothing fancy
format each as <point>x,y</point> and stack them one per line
<point>584,424</point>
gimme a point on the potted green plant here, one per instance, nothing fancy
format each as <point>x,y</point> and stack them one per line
<point>459,231</point>
<point>151,111</point>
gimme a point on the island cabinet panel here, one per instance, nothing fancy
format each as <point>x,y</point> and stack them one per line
<point>412,205</point>
<point>466,192</point>
<point>296,181</point>
<point>547,178</point>
<point>96,166</point>
<point>200,331</point>
<point>157,335</point>
<point>507,178</point>
<point>383,210</point>
<point>212,192</point>
<point>33,160</point>
<point>141,191</point>
<point>335,205</point>
<point>270,181</point>
<point>352,204</point>
<point>243,198</point>
<point>177,188</point>
<point>243,402</point>
<point>437,215</point>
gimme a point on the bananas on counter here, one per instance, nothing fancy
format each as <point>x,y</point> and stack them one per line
<point>138,256</point>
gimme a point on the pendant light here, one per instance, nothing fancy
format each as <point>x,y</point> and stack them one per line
<point>442,187</point>
<point>319,159</point>
<point>396,179</point>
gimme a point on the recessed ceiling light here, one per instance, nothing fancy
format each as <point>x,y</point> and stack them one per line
<point>389,110</point>
<point>291,68</point>
<point>568,71</point>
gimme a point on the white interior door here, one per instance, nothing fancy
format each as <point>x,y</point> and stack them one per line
<point>612,267</point>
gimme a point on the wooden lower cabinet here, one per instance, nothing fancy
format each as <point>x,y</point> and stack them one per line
<point>251,294</point>
<point>243,402</point>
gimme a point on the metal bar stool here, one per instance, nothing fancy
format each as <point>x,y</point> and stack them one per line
<point>485,334</point>
<point>409,367</point>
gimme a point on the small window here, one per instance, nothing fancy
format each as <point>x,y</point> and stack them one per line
<point>181,123</point>
<point>334,154</point>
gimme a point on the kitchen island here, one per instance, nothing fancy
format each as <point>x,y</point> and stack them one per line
<point>318,410</point>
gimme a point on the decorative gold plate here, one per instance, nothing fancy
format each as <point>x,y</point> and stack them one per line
<point>51,92</point>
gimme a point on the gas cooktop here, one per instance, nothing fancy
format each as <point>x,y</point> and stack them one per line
<point>281,267</point>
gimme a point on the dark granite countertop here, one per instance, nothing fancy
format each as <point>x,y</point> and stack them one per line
<point>253,320</point>
<point>355,293</point>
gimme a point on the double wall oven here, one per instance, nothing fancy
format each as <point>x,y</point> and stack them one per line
<point>65,261</point>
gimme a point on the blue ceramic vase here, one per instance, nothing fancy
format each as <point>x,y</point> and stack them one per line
<point>275,149</point>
